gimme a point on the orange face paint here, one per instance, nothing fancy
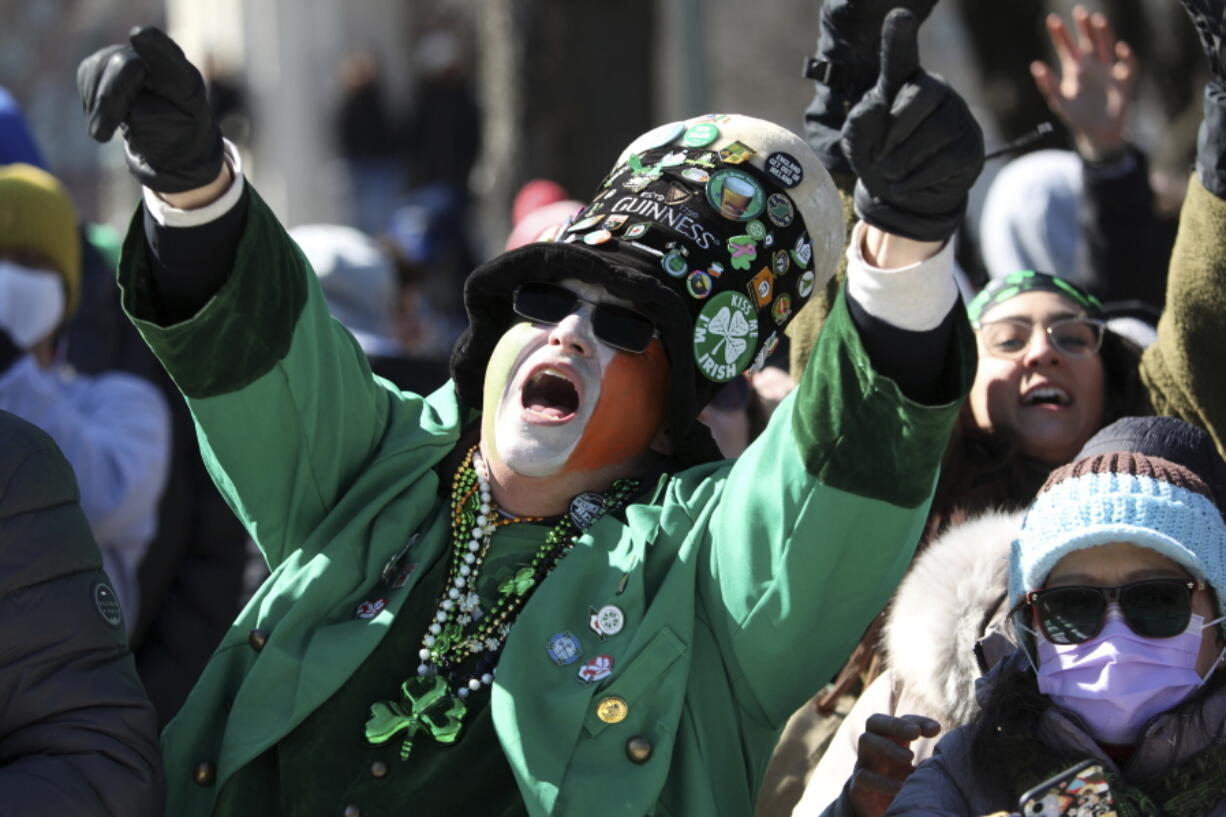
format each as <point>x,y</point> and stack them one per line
<point>633,398</point>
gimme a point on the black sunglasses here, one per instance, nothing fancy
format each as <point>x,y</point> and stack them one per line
<point>615,325</point>
<point>1155,608</point>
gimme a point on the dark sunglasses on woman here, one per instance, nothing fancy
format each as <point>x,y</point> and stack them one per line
<point>618,326</point>
<point>1155,608</point>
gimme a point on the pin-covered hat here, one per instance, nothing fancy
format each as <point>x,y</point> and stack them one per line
<point>718,228</point>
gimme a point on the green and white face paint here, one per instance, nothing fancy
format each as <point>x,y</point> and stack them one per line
<point>542,384</point>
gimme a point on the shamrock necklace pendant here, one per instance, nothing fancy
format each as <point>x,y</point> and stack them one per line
<point>425,705</point>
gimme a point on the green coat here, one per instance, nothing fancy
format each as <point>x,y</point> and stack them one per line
<point>748,581</point>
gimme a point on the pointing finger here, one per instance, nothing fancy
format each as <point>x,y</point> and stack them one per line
<point>899,51</point>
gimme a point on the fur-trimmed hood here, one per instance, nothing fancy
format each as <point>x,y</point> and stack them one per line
<point>954,595</point>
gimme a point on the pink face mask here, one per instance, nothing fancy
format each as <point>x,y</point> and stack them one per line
<point>1117,681</point>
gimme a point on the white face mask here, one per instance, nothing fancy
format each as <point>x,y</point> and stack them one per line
<point>31,303</point>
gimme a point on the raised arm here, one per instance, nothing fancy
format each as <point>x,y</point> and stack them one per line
<point>1122,252</point>
<point>1185,370</point>
<point>288,412</point>
<point>818,518</point>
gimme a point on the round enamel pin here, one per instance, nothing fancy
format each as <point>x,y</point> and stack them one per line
<point>564,648</point>
<point>725,335</point>
<point>804,287</point>
<point>783,168</point>
<point>781,262</point>
<point>607,621</point>
<point>700,135</point>
<point>779,210</point>
<point>755,230</point>
<point>698,284</point>
<point>735,194</point>
<point>674,264</point>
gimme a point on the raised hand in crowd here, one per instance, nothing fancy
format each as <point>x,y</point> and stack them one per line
<point>1092,90</point>
<point>846,66</point>
<point>156,98</point>
<point>912,142</point>
<point>884,761</point>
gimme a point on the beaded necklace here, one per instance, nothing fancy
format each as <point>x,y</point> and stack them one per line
<point>460,633</point>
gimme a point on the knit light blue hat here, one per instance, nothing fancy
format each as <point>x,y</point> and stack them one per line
<point>1120,497</point>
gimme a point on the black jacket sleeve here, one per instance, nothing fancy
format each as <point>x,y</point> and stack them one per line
<point>77,734</point>
<point>190,264</point>
<point>1125,247</point>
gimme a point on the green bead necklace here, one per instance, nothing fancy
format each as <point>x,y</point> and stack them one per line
<point>433,700</point>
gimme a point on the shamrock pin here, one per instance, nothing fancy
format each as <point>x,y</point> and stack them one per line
<point>640,169</point>
<point>731,327</point>
<point>742,250</point>
<point>725,335</point>
<point>425,705</point>
<point>518,584</point>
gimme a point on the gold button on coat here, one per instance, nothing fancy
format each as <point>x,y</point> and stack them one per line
<point>638,749</point>
<point>612,710</point>
<point>351,811</point>
<point>378,769</point>
<point>257,639</point>
<point>205,773</point>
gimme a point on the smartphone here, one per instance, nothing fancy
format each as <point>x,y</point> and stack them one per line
<point>1081,791</point>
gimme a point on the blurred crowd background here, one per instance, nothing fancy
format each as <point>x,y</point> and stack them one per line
<point>420,121</point>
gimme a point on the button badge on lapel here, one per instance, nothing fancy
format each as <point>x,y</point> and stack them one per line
<point>564,648</point>
<point>607,621</point>
<point>597,669</point>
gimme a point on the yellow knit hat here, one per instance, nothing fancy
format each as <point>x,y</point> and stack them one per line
<point>36,214</point>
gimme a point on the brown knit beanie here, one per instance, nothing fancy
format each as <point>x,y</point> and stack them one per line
<point>36,214</point>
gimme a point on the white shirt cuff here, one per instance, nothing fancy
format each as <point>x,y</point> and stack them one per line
<point>168,216</point>
<point>915,298</point>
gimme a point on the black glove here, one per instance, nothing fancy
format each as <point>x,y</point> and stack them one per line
<point>912,142</point>
<point>158,98</point>
<point>845,67</point>
<point>1209,17</point>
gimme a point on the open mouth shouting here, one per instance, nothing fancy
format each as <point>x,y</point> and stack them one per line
<point>1046,395</point>
<point>550,394</point>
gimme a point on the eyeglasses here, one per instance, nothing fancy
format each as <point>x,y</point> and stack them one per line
<point>615,325</point>
<point>1010,337</point>
<point>1155,608</point>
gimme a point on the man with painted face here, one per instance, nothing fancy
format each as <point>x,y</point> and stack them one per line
<point>565,602</point>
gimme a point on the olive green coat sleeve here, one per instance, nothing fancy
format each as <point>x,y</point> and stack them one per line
<point>1184,371</point>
